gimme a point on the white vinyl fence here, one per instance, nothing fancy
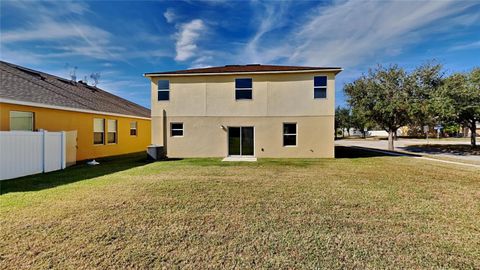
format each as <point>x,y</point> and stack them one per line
<point>24,153</point>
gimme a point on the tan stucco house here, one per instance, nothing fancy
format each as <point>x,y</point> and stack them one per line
<point>244,110</point>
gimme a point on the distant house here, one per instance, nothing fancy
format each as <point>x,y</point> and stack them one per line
<point>106,124</point>
<point>244,111</point>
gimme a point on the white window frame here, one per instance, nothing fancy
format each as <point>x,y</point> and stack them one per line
<point>289,134</point>
<point>320,87</point>
<point>135,128</point>
<point>116,131</point>
<point>243,89</point>
<point>163,90</point>
<point>32,122</point>
<point>103,132</point>
<point>176,129</point>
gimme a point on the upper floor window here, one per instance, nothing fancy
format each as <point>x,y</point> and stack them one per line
<point>98,130</point>
<point>112,131</point>
<point>320,87</point>
<point>133,128</point>
<point>163,89</point>
<point>176,129</point>
<point>243,88</point>
<point>21,120</point>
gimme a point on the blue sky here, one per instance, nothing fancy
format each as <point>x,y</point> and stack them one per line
<point>122,39</point>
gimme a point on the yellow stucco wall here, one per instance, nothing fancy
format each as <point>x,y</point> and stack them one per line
<point>61,120</point>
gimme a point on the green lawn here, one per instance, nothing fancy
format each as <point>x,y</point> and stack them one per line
<point>366,212</point>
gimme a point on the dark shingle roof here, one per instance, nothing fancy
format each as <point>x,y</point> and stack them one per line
<point>23,84</point>
<point>243,68</point>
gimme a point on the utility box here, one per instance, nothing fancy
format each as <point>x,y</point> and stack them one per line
<point>156,152</point>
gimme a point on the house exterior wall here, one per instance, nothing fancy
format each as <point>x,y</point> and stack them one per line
<point>206,103</point>
<point>62,120</point>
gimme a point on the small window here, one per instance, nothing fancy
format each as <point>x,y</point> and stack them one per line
<point>289,134</point>
<point>176,129</point>
<point>21,120</point>
<point>98,130</point>
<point>243,88</point>
<point>320,87</point>
<point>133,128</point>
<point>112,131</point>
<point>163,89</point>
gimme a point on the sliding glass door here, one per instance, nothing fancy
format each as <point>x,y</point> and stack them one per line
<point>240,141</point>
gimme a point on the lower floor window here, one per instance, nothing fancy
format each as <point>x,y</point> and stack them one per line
<point>289,134</point>
<point>176,129</point>
<point>98,131</point>
<point>133,128</point>
<point>21,120</point>
<point>112,131</point>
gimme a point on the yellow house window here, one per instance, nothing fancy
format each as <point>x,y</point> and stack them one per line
<point>98,130</point>
<point>21,120</point>
<point>112,131</point>
<point>133,128</point>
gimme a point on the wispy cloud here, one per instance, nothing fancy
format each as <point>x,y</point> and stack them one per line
<point>169,15</point>
<point>349,32</point>
<point>466,46</point>
<point>52,30</point>
<point>271,17</point>
<point>187,37</point>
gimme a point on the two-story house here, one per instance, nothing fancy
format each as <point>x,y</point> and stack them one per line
<point>244,110</point>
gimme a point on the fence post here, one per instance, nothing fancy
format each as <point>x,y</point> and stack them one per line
<point>44,150</point>
<point>63,161</point>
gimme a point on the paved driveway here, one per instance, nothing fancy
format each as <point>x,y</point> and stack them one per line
<point>405,145</point>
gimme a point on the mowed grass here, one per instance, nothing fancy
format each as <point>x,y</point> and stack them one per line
<point>367,212</point>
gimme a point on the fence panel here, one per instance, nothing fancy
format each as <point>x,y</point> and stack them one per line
<point>24,153</point>
<point>53,151</point>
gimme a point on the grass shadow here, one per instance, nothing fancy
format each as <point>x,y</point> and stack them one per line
<point>453,149</point>
<point>357,152</point>
<point>76,173</point>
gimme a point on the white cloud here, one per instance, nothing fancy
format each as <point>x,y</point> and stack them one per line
<point>169,15</point>
<point>466,46</point>
<point>187,37</point>
<point>272,18</point>
<point>53,30</point>
<point>49,8</point>
<point>349,32</point>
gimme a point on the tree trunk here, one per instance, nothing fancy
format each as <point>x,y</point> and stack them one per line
<point>390,140</point>
<point>473,134</point>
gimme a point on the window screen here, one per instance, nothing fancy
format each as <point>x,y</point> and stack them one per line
<point>21,120</point>
<point>320,87</point>
<point>163,89</point>
<point>243,88</point>
<point>98,130</point>
<point>112,131</point>
<point>176,129</point>
<point>289,134</point>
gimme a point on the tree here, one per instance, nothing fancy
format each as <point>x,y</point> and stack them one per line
<point>360,121</point>
<point>342,119</point>
<point>459,100</point>
<point>384,96</point>
<point>428,81</point>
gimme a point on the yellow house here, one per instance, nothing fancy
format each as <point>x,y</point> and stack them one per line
<point>105,124</point>
<point>244,111</point>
